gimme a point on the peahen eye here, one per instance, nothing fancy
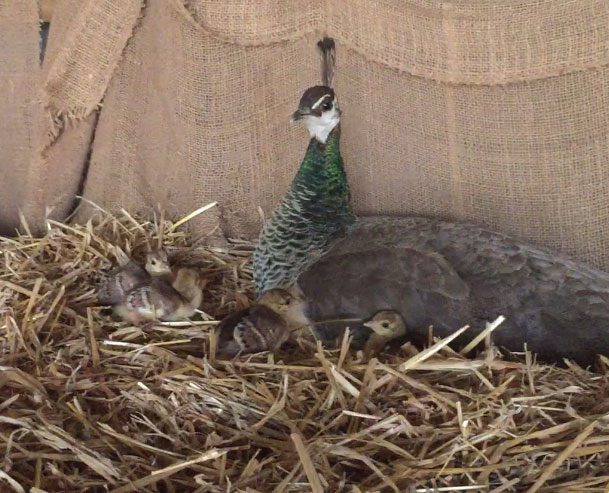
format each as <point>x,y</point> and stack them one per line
<point>385,325</point>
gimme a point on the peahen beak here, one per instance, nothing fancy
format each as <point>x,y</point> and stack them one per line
<point>297,115</point>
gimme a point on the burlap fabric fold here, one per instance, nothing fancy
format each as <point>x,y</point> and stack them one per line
<point>480,110</point>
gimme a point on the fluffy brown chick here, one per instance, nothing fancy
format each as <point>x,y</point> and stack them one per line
<point>386,325</point>
<point>265,325</point>
<point>160,300</point>
<point>130,275</point>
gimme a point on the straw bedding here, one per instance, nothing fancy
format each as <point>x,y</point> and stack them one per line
<point>91,404</point>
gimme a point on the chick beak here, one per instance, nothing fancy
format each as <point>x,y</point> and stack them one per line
<point>370,325</point>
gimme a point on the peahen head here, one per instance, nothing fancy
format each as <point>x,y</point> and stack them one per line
<point>318,109</point>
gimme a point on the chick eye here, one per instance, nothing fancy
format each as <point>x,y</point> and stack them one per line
<point>385,325</point>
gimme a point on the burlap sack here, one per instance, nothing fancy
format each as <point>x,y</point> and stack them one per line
<point>43,157</point>
<point>19,81</point>
<point>189,119</point>
<point>515,158</point>
<point>492,112</point>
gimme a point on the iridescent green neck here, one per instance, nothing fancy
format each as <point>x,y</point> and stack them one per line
<point>315,212</point>
<point>322,174</point>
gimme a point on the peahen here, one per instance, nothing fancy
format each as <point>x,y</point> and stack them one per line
<point>433,272</point>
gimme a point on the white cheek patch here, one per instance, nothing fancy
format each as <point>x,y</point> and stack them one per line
<point>321,126</point>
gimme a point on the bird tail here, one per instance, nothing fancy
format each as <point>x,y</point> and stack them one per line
<point>328,60</point>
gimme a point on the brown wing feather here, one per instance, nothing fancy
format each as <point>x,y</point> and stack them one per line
<point>120,281</point>
<point>155,300</point>
<point>450,274</point>
<point>249,338</point>
<point>422,287</point>
<point>256,328</point>
<point>272,325</point>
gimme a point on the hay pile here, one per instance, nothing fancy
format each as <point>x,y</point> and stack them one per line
<point>90,404</point>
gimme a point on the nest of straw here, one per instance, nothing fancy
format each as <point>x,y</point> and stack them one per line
<point>91,404</point>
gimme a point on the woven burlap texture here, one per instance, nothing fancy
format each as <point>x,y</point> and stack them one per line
<point>19,81</point>
<point>486,111</point>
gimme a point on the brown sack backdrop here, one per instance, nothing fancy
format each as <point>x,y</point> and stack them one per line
<point>486,111</point>
<point>43,150</point>
<point>19,83</point>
